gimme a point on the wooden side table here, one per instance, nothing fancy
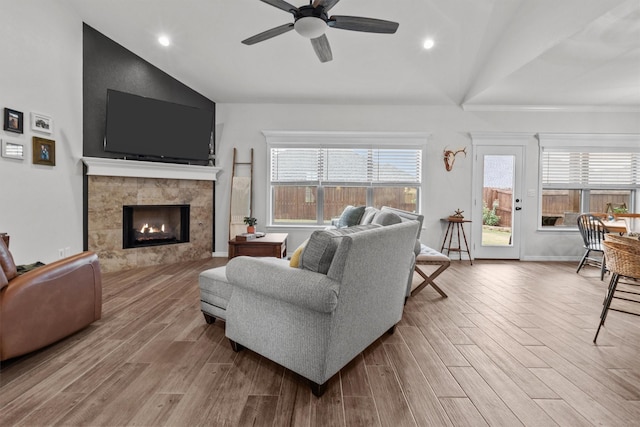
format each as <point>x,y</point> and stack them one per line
<point>272,244</point>
<point>458,225</point>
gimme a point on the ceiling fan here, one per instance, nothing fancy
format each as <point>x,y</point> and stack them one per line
<point>311,21</point>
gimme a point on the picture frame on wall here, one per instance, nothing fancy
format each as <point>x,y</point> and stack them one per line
<point>12,150</point>
<point>13,120</point>
<point>44,151</point>
<point>41,123</point>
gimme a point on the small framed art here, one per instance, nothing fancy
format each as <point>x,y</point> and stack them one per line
<point>41,123</point>
<point>12,150</point>
<point>44,151</point>
<point>13,120</point>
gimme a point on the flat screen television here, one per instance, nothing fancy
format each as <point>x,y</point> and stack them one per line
<point>150,129</point>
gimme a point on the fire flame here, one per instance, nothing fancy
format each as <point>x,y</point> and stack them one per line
<point>146,229</point>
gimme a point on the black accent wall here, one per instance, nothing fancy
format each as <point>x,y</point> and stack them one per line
<point>108,65</point>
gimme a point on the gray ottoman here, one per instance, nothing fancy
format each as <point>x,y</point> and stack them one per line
<point>215,293</point>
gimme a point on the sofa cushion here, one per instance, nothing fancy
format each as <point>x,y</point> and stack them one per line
<point>6,262</point>
<point>318,254</point>
<point>406,216</point>
<point>386,218</point>
<point>368,215</point>
<point>351,215</point>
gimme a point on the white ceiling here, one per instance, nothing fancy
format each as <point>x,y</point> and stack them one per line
<point>489,54</point>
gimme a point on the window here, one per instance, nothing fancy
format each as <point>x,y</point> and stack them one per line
<point>311,185</point>
<point>587,173</point>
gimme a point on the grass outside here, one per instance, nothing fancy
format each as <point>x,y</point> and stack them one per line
<point>495,236</point>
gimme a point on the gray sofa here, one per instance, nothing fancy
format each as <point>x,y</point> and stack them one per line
<point>314,323</point>
<point>386,216</point>
<point>215,290</point>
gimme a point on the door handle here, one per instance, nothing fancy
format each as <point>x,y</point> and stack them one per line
<point>518,208</point>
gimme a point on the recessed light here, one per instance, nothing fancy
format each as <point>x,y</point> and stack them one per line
<point>428,44</point>
<point>164,41</point>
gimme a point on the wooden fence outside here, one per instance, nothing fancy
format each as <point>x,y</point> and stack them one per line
<point>299,203</point>
<point>555,203</point>
<point>504,200</point>
<point>561,201</point>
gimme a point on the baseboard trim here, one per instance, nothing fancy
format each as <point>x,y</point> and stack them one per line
<point>220,255</point>
<point>551,258</point>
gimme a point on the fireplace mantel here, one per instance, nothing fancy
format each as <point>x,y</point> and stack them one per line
<point>140,169</point>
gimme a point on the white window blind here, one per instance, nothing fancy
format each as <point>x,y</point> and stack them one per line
<point>295,165</point>
<point>585,168</point>
<point>354,166</point>
<point>590,161</point>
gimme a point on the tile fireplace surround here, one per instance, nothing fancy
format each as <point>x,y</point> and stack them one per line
<point>114,183</point>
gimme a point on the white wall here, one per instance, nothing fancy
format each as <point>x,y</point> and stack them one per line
<point>41,71</point>
<point>443,191</point>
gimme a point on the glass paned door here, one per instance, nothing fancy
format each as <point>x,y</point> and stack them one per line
<point>497,202</point>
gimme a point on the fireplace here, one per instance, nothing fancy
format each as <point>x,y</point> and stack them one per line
<point>153,225</point>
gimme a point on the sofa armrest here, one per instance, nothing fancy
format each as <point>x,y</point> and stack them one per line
<point>49,303</point>
<point>299,287</point>
<point>58,271</point>
<point>80,270</point>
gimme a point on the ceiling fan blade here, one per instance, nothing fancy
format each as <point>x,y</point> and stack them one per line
<point>281,4</point>
<point>322,48</point>
<point>327,4</point>
<point>268,34</point>
<point>368,25</point>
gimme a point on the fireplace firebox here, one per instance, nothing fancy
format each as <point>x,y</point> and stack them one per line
<point>153,225</point>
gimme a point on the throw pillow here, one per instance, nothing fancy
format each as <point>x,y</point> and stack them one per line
<point>295,258</point>
<point>351,215</point>
<point>368,215</point>
<point>386,218</point>
<point>322,245</point>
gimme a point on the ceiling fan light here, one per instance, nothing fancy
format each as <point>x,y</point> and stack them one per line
<point>310,27</point>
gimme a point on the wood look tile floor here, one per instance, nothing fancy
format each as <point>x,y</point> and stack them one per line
<point>512,345</point>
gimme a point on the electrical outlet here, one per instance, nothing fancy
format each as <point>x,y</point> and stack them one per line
<point>67,251</point>
<point>60,253</point>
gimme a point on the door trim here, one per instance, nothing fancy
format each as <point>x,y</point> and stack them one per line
<point>501,138</point>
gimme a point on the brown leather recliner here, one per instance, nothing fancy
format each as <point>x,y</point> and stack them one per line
<point>47,304</point>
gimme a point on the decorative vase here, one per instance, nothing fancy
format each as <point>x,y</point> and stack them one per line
<point>251,229</point>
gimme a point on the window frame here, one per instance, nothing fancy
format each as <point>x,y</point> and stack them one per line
<point>330,139</point>
<point>585,143</point>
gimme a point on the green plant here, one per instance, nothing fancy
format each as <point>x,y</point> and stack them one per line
<point>489,216</point>
<point>250,221</point>
<point>620,210</point>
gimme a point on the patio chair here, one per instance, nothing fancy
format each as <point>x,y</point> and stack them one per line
<point>592,230</point>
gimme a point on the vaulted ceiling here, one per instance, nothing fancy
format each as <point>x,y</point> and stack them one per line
<point>488,54</point>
